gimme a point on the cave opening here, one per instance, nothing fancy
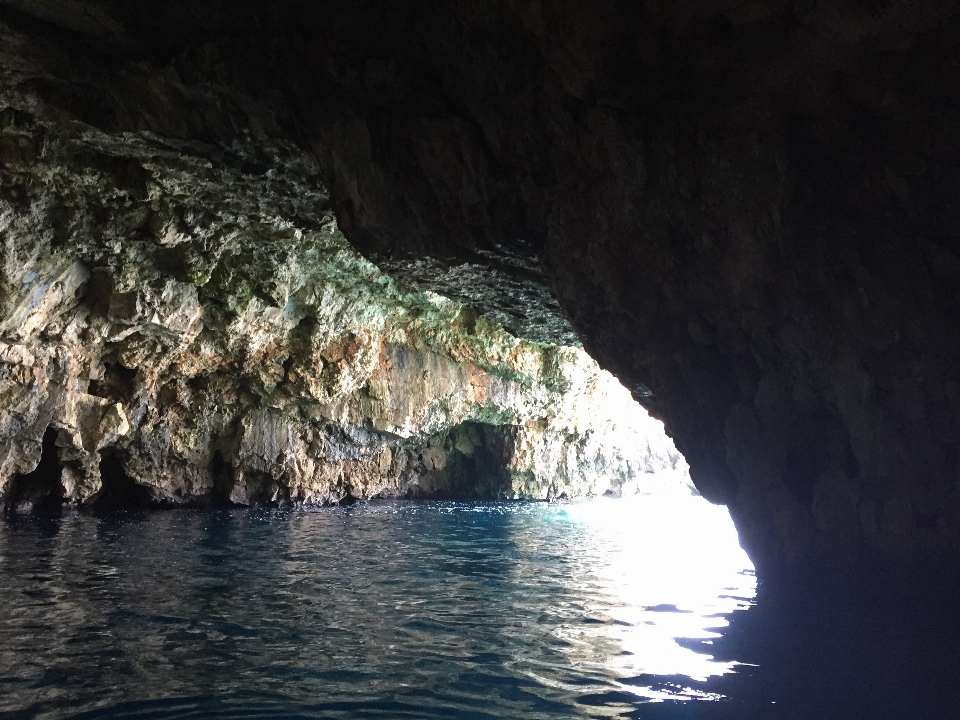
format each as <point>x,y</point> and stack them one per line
<point>470,461</point>
<point>119,491</point>
<point>483,470</point>
<point>746,210</point>
<point>41,490</point>
<point>224,478</point>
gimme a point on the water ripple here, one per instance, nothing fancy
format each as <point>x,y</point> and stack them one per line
<point>374,611</point>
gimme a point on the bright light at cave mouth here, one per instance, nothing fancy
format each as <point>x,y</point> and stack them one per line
<point>673,568</point>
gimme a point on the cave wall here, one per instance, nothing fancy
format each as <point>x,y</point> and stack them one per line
<point>182,322</point>
<point>746,210</point>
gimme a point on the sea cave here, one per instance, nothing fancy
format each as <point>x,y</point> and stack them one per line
<point>465,284</point>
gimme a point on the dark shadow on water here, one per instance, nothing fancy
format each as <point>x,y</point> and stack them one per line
<point>44,526</point>
<point>279,708</point>
<point>862,646</point>
<point>416,706</point>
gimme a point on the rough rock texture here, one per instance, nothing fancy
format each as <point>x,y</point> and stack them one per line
<point>747,210</point>
<point>183,322</point>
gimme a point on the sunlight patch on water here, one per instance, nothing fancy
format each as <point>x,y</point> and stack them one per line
<point>673,567</point>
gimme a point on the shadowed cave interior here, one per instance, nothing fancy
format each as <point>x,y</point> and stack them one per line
<point>300,254</point>
<point>118,490</point>
<point>770,265</point>
<point>39,490</point>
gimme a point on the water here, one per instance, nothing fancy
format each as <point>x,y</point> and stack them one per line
<point>391,610</point>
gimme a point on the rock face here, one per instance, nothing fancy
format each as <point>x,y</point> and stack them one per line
<point>747,210</point>
<point>183,322</point>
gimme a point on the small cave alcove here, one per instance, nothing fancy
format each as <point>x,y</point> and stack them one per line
<point>470,461</point>
<point>119,491</point>
<point>259,489</point>
<point>117,384</point>
<point>243,488</point>
<point>39,491</point>
<point>224,478</point>
<point>484,471</point>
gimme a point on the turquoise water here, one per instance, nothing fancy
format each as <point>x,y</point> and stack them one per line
<point>606,608</point>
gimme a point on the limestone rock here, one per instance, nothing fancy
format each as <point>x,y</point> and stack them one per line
<point>189,324</point>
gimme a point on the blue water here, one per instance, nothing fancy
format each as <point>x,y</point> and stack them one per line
<point>394,610</point>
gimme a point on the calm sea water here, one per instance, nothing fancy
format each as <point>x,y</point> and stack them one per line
<point>399,610</point>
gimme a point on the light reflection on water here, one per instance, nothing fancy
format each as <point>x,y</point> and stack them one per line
<point>381,610</point>
<point>673,568</point>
